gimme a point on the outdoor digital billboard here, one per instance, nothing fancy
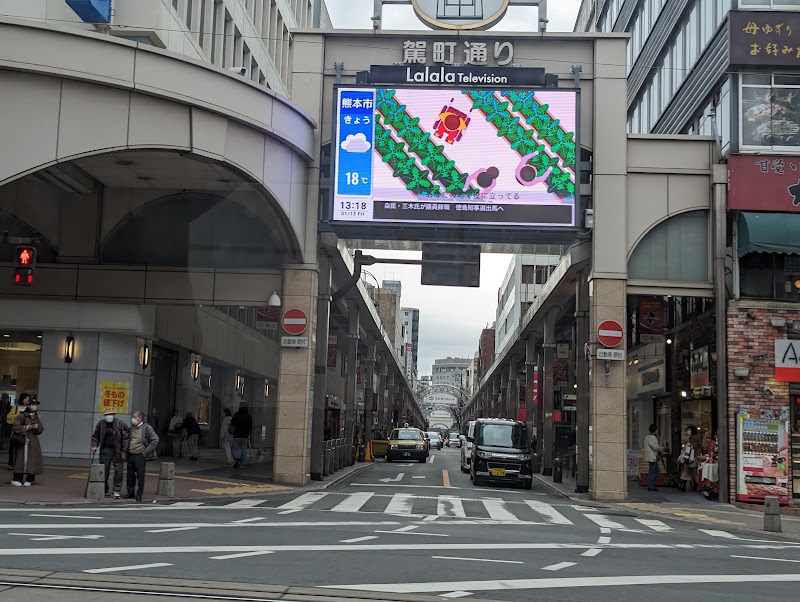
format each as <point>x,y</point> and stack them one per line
<point>464,157</point>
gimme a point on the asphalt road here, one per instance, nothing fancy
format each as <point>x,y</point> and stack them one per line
<point>406,529</point>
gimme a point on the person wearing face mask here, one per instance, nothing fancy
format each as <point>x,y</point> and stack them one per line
<point>112,437</point>
<point>11,417</point>
<point>28,455</point>
<point>144,441</point>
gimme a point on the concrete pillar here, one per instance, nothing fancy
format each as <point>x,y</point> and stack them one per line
<point>351,405</point>
<point>369,389</point>
<point>321,367</point>
<point>582,380</point>
<point>496,410</point>
<point>505,402</point>
<point>382,392</point>
<point>296,383</point>
<point>539,408</point>
<point>512,391</point>
<point>609,415</point>
<point>530,370</point>
<point>548,430</point>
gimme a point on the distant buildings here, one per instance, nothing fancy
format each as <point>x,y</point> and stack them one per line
<point>411,324</point>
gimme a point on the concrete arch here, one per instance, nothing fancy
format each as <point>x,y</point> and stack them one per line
<point>72,94</point>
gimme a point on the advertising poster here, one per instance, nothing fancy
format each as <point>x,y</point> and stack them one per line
<point>560,372</point>
<point>114,395</point>
<point>332,356</point>
<point>651,319</point>
<point>465,157</point>
<point>699,368</point>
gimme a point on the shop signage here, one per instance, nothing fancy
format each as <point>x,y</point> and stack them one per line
<point>460,14</point>
<point>114,395</point>
<point>332,355</point>
<point>450,75</point>
<point>562,351</point>
<point>651,319</point>
<point>633,463</point>
<point>294,341</point>
<point>699,368</point>
<point>560,372</point>
<point>651,378</point>
<point>764,182</point>
<point>616,355</point>
<point>609,333</point>
<point>787,360</point>
<point>421,52</point>
<point>294,321</point>
<point>765,38</point>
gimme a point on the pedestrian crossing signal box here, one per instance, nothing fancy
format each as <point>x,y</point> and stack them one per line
<point>451,264</point>
<point>24,265</point>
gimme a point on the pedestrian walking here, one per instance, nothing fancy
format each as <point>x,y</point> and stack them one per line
<point>240,428</point>
<point>652,454</point>
<point>142,447</point>
<point>28,460</point>
<point>5,428</point>
<point>227,438</point>
<point>112,437</point>
<point>11,417</point>
<point>192,430</point>
<point>174,434</point>
<point>688,459</point>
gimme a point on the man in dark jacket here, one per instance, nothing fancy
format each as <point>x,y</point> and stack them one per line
<point>241,427</point>
<point>112,437</point>
<point>144,442</point>
<point>192,429</point>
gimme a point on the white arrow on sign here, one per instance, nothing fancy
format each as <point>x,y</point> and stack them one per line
<point>394,480</point>
<point>44,537</point>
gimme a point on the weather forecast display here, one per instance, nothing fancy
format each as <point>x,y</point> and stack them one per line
<point>468,157</point>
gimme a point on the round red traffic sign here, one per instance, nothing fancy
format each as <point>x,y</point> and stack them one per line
<point>294,321</point>
<point>610,333</point>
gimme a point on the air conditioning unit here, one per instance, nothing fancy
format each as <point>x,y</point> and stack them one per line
<point>709,391</point>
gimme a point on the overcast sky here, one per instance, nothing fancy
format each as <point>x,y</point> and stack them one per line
<point>451,319</point>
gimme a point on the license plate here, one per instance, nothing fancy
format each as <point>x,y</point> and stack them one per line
<point>406,454</point>
<point>498,472</point>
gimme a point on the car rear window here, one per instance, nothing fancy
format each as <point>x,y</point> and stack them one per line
<point>433,435</point>
<point>406,435</point>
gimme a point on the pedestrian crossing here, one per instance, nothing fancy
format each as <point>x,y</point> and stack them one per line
<point>492,509</point>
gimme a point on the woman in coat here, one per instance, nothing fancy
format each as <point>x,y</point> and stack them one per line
<point>691,456</point>
<point>227,438</point>
<point>28,454</point>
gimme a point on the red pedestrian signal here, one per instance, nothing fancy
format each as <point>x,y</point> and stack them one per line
<point>24,264</point>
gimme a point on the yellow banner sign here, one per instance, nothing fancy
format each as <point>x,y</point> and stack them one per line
<point>114,395</point>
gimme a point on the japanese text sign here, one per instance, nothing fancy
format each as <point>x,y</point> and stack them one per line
<point>420,52</point>
<point>765,38</point>
<point>764,183</point>
<point>114,395</point>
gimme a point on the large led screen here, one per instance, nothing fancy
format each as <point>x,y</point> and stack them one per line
<point>461,157</point>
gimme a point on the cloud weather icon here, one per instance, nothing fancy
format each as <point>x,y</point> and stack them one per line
<point>356,143</point>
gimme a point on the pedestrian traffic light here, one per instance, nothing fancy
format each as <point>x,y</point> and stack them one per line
<point>24,265</point>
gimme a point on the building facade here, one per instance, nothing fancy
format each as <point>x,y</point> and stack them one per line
<point>411,323</point>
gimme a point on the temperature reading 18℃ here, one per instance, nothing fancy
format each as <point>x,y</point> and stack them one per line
<point>354,178</point>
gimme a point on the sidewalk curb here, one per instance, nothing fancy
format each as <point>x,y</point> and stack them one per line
<point>616,507</point>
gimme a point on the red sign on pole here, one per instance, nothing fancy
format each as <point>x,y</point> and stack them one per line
<point>294,321</point>
<point>610,333</point>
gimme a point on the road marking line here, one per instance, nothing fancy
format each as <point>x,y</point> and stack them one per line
<point>241,555</point>
<point>416,477</point>
<point>450,506</point>
<point>458,594</point>
<point>396,485</point>
<point>401,504</point>
<point>245,503</point>
<point>592,552</point>
<point>586,508</point>
<point>291,511</point>
<point>604,521</point>
<point>67,516</point>
<point>44,537</point>
<point>249,520</point>
<point>552,515</point>
<point>413,533</point>
<point>134,567</point>
<point>186,504</point>
<point>431,518</point>
<point>304,501</point>
<point>655,525</point>
<point>603,539</point>
<point>715,533</point>
<point>446,478</point>
<point>605,530</point>
<point>358,539</point>
<point>406,528</point>
<point>497,510</point>
<point>559,566</point>
<point>353,503</point>
<point>432,459</point>
<point>770,559</point>
<point>477,559</point>
<point>566,583</point>
<point>173,529</point>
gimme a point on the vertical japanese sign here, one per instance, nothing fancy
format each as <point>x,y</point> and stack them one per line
<point>356,137</point>
<point>651,319</point>
<point>114,396</point>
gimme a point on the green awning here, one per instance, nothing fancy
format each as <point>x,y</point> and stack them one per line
<point>769,233</point>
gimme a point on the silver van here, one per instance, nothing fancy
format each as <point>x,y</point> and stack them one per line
<point>466,446</point>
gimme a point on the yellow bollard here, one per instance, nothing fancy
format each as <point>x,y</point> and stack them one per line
<point>368,457</point>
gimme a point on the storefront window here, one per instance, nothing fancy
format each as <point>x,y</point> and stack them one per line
<point>770,276</point>
<point>770,105</point>
<point>20,356</point>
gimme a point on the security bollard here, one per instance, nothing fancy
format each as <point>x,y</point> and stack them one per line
<point>96,487</point>
<point>326,453</point>
<point>772,514</point>
<point>166,480</point>
<point>339,454</point>
<point>536,463</point>
<point>557,469</point>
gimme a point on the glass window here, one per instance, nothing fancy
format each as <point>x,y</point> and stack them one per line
<point>770,276</point>
<point>510,435</point>
<point>679,62</point>
<point>770,108</point>
<point>676,249</point>
<point>724,116</point>
<point>20,357</point>
<point>691,39</point>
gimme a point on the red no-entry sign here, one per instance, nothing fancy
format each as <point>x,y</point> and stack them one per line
<point>294,321</point>
<point>610,333</point>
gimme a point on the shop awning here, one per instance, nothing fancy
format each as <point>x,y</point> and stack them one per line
<point>769,233</point>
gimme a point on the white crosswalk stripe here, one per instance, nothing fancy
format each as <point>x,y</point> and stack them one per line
<point>450,506</point>
<point>248,503</point>
<point>498,511</point>
<point>304,501</point>
<point>353,503</point>
<point>604,521</point>
<point>655,525</point>
<point>401,504</point>
<point>551,514</point>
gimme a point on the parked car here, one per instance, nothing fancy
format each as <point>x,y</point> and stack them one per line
<point>501,451</point>
<point>454,440</point>
<point>407,444</point>
<point>466,446</point>
<point>436,439</point>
